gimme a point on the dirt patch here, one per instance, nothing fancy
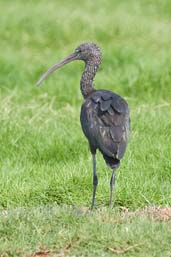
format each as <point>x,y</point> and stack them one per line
<point>153,212</point>
<point>157,213</point>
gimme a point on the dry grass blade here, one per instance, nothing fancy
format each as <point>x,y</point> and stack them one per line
<point>68,247</point>
<point>123,249</point>
<point>43,252</point>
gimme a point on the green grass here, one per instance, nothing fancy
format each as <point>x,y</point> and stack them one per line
<point>68,231</point>
<point>45,164</point>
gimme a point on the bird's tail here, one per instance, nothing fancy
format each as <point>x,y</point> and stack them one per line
<point>111,162</point>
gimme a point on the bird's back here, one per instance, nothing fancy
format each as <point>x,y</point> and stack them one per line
<point>106,124</point>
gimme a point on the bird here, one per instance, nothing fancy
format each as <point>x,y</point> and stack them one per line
<point>104,117</point>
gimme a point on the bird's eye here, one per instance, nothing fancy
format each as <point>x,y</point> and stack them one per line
<point>78,50</point>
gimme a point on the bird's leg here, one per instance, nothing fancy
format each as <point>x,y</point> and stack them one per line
<point>112,182</point>
<point>95,180</point>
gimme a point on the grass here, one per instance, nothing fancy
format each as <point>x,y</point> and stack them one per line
<point>45,162</point>
<point>73,231</point>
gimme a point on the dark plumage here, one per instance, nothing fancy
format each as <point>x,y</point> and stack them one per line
<point>104,115</point>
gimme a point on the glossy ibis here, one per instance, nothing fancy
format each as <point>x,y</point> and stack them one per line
<point>104,115</point>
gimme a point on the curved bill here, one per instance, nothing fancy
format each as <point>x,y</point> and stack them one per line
<point>68,59</point>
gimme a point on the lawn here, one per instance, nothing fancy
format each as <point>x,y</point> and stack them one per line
<point>45,164</point>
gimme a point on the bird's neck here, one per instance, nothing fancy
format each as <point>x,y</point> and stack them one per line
<point>86,83</point>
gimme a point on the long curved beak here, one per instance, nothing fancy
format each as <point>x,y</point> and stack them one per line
<point>68,59</point>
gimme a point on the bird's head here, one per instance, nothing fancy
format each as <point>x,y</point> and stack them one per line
<point>90,53</point>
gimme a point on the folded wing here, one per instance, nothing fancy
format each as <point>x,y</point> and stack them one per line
<point>106,124</point>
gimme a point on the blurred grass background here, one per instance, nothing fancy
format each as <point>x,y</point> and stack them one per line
<point>44,157</point>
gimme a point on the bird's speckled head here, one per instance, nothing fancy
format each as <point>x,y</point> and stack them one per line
<point>89,52</point>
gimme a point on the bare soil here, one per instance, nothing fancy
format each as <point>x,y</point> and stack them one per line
<point>157,213</point>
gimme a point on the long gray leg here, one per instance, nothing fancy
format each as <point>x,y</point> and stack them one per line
<point>112,182</point>
<point>95,180</point>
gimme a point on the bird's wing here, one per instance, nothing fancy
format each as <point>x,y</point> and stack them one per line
<point>111,123</point>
